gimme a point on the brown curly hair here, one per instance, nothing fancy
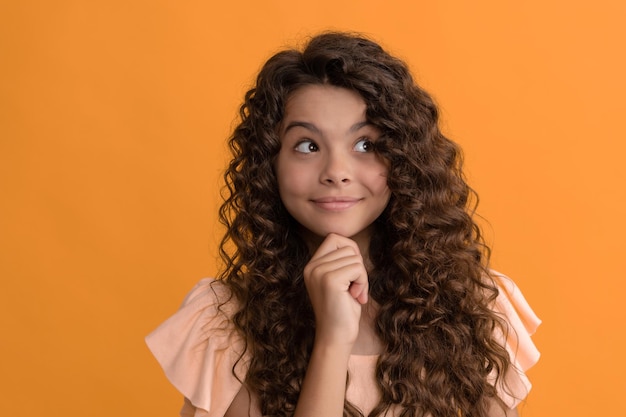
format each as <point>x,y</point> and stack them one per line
<point>429,277</point>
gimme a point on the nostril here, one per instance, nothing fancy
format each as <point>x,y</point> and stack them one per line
<point>330,179</point>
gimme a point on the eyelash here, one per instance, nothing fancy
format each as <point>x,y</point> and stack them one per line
<point>308,146</point>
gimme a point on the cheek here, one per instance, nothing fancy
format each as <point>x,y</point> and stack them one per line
<point>379,179</point>
<point>290,180</point>
<point>379,186</point>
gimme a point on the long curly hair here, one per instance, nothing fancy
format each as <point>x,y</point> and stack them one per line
<point>429,274</point>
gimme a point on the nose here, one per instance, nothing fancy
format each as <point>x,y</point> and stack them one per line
<point>336,169</point>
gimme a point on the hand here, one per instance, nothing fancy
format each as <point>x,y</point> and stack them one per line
<point>337,284</point>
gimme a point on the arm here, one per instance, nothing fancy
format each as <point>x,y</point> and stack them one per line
<point>337,285</point>
<point>322,392</point>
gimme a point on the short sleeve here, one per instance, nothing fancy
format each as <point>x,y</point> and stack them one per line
<point>521,323</point>
<point>198,347</point>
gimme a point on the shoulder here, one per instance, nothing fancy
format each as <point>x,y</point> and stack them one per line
<point>211,294</point>
<point>520,323</point>
<point>206,312</point>
<point>520,318</point>
<point>198,348</point>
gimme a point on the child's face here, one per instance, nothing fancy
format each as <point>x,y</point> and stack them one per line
<point>329,178</point>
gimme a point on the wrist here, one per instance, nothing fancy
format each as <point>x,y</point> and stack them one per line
<point>332,348</point>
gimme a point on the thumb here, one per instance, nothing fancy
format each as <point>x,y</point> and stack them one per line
<point>359,290</point>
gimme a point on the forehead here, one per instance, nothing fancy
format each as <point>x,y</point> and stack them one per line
<point>311,96</point>
<point>325,105</point>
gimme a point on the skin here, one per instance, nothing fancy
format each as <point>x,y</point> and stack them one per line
<point>333,184</point>
<point>329,178</point>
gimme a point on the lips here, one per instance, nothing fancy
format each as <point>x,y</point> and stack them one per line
<point>335,203</point>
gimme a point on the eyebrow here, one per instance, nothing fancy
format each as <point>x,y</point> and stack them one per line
<point>315,129</point>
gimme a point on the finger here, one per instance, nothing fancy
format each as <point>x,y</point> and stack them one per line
<point>351,276</point>
<point>333,242</point>
<point>359,288</point>
<point>345,252</point>
<point>338,271</point>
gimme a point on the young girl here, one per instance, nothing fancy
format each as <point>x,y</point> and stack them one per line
<point>355,280</point>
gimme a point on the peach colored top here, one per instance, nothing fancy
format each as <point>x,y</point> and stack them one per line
<point>198,347</point>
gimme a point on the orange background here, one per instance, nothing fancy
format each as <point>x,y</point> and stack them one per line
<point>113,117</point>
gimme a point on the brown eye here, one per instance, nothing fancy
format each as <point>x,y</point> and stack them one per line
<point>306,146</point>
<point>364,145</point>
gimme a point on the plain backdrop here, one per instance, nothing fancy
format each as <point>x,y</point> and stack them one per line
<point>113,121</point>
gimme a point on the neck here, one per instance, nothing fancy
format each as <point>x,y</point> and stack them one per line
<point>368,342</point>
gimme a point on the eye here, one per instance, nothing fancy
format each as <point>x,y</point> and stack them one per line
<point>306,146</point>
<point>364,145</point>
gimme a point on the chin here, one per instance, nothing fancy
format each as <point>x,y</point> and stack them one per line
<point>345,232</point>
